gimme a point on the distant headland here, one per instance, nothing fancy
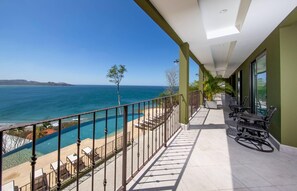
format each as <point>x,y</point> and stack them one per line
<point>32,83</point>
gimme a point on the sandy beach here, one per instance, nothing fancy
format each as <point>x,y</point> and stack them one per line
<point>21,173</point>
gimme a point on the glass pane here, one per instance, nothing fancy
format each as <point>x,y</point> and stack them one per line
<point>261,86</point>
<point>238,87</point>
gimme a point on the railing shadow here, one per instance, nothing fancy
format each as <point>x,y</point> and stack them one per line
<point>167,170</point>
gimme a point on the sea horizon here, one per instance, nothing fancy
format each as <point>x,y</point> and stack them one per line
<point>30,103</point>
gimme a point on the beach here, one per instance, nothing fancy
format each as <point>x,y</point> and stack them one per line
<point>21,173</point>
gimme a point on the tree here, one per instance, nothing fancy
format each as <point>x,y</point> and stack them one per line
<point>115,75</point>
<point>172,80</point>
<point>215,85</point>
<point>194,86</point>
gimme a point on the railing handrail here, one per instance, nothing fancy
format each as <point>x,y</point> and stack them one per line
<point>22,125</point>
<point>159,123</point>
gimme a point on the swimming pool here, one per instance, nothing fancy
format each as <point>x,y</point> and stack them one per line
<point>49,143</point>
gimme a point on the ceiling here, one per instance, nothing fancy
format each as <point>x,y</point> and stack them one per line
<point>223,33</point>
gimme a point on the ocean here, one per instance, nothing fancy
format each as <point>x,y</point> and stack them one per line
<point>22,104</point>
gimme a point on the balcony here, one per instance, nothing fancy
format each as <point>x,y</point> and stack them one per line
<point>102,149</point>
<point>200,156</point>
<point>204,156</point>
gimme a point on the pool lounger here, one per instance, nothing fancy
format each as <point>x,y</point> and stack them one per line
<point>9,186</point>
<point>40,182</point>
<point>89,153</point>
<point>64,173</point>
<point>72,159</point>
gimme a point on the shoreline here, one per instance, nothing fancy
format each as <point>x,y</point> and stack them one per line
<point>19,173</point>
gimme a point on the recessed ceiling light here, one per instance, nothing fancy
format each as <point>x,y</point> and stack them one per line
<point>223,11</point>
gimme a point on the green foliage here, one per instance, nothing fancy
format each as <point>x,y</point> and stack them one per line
<point>165,93</point>
<point>116,74</point>
<point>194,86</point>
<point>215,85</point>
<point>47,125</point>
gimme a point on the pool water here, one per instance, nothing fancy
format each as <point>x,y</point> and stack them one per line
<point>49,143</point>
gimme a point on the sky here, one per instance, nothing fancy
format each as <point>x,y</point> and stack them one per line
<point>77,41</point>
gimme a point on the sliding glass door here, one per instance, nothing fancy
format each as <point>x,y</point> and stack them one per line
<point>258,81</point>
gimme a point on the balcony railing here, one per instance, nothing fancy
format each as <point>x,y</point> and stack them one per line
<point>115,143</point>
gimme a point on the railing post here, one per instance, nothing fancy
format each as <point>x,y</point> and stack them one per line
<point>1,142</point>
<point>165,119</point>
<point>124,170</point>
<point>59,155</point>
<point>78,153</point>
<point>33,158</point>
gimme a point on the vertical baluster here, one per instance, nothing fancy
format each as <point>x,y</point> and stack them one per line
<point>93,150</point>
<point>115,150</point>
<point>156,129</point>
<point>153,125</point>
<point>124,170</point>
<point>132,141</point>
<point>105,149</point>
<point>148,132</point>
<point>78,153</point>
<point>33,158</point>
<point>162,119</point>
<point>172,115</point>
<point>159,121</point>
<point>59,155</point>
<point>1,143</point>
<point>152,128</point>
<point>138,143</point>
<point>143,131</point>
<point>165,123</point>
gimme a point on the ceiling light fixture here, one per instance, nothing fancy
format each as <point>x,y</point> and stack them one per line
<point>223,11</point>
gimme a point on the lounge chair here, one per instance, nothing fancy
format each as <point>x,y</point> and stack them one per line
<point>151,122</point>
<point>254,130</point>
<point>64,173</point>
<point>9,186</point>
<point>40,183</point>
<point>89,153</point>
<point>72,159</point>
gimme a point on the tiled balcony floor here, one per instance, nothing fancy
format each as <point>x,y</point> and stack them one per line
<point>203,157</point>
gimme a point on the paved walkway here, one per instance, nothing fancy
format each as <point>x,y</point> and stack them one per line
<point>204,158</point>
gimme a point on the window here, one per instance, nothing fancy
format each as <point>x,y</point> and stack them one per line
<point>239,87</point>
<point>258,81</point>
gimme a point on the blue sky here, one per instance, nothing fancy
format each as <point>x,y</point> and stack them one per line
<point>77,41</point>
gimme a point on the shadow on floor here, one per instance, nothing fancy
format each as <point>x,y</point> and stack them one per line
<point>166,172</point>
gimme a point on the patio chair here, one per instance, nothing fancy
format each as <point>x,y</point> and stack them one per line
<point>64,173</point>
<point>89,153</point>
<point>9,186</point>
<point>253,130</point>
<point>237,108</point>
<point>40,182</point>
<point>72,159</point>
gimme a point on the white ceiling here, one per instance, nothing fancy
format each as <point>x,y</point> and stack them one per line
<point>223,33</point>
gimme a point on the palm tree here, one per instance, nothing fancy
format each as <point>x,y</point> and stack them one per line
<point>215,85</point>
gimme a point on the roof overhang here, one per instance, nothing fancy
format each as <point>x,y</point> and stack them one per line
<point>221,34</point>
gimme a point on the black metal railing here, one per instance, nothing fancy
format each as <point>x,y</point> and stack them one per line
<point>194,102</point>
<point>121,141</point>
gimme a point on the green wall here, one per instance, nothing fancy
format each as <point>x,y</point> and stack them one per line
<point>288,52</point>
<point>278,62</point>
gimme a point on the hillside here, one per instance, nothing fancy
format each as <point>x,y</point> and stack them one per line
<point>31,83</point>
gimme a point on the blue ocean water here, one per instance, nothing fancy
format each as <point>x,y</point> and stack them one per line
<point>25,104</point>
<point>34,103</point>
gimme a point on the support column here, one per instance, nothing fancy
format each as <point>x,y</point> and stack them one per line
<point>201,80</point>
<point>184,83</point>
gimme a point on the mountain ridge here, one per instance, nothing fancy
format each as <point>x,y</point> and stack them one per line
<point>27,83</point>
